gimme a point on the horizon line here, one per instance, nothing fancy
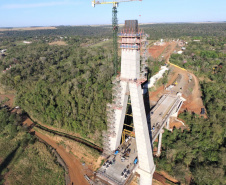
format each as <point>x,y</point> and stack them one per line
<point>198,22</point>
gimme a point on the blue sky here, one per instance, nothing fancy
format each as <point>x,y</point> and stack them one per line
<point>19,13</point>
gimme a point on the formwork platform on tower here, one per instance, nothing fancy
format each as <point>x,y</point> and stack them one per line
<point>133,43</point>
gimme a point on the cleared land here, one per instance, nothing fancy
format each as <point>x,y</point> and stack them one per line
<point>24,160</point>
<point>83,153</point>
<point>156,51</point>
<point>190,90</point>
<point>76,174</point>
<point>164,50</point>
<point>74,165</point>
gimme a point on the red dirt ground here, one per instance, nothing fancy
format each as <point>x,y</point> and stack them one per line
<point>176,124</point>
<point>11,99</point>
<point>165,50</point>
<point>166,175</point>
<point>159,178</point>
<point>163,176</point>
<point>75,168</point>
<point>193,102</point>
<point>156,51</point>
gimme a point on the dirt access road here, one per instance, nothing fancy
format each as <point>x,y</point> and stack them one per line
<point>190,90</point>
<point>75,168</point>
<point>194,102</point>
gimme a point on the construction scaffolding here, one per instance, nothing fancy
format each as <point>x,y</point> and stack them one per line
<point>111,114</point>
<point>144,64</point>
<point>129,39</point>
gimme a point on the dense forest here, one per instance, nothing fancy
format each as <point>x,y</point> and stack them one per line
<point>65,87</point>
<point>156,31</point>
<point>198,153</point>
<point>205,57</point>
<point>23,159</point>
<point>62,30</point>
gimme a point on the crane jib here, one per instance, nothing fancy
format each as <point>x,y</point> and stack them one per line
<point>114,27</point>
<point>115,3</point>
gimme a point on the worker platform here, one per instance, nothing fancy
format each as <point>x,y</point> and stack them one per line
<point>121,165</point>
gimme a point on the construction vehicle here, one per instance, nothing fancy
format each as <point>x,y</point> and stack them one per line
<point>114,25</point>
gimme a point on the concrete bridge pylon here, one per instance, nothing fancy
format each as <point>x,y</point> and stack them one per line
<point>131,78</point>
<point>129,83</point>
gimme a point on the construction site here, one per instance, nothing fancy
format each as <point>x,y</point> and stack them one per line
<point>128,141</point>
<point>133,128</point>
<point>138,115</point>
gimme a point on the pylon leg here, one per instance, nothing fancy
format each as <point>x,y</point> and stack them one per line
<point>120,117</point>
<point>145,154</point>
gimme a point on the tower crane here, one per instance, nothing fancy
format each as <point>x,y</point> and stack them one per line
<point>114,25</point>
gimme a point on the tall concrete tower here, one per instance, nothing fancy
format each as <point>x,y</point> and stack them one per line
<point>129,83</point>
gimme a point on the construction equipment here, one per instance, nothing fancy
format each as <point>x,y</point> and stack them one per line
<point>127,133</point>
<point>114,25</point>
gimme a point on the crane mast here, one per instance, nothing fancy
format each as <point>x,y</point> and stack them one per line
<point>114,26</point>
